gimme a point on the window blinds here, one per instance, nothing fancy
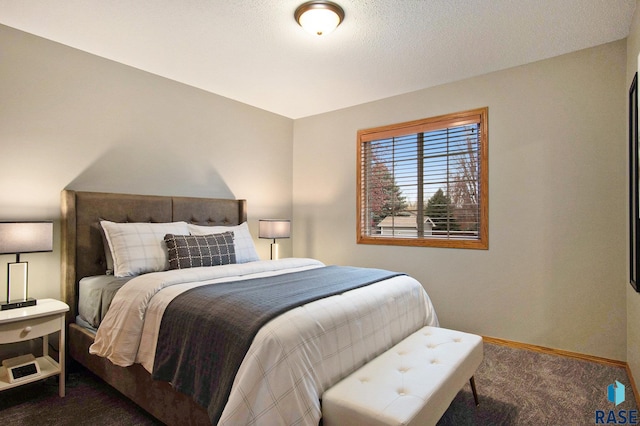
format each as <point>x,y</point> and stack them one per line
<point>422,181</point>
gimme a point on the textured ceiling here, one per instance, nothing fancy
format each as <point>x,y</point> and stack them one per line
<point>254,52</point>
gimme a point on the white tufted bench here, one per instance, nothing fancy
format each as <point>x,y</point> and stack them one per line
<point>412,383</point>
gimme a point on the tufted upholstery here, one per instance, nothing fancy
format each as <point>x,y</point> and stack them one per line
<point>412,383</point>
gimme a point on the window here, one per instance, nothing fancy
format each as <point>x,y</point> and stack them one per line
<point>425,182</point>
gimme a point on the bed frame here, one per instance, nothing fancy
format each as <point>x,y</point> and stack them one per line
<point>83,255</point>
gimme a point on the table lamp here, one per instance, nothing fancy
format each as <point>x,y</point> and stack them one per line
<point>18,238</point>
<point>274,229</point>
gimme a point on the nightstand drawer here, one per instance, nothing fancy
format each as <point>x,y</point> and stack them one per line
<point>29,329</point>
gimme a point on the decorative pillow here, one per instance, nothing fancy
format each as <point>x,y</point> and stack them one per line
<point>245,248</point>
<point>138,248</point>
<point>192,251</point>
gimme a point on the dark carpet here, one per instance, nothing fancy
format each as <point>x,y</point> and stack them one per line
<point>515,386</point>
<point>523,387</point>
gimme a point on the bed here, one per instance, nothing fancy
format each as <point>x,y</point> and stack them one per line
<point>291,360</point>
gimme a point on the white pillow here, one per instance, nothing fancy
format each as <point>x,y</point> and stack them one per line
<point>245,248</point>
<point>139,247</point>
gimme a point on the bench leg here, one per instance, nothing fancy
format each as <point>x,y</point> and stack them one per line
<point>472,381</point>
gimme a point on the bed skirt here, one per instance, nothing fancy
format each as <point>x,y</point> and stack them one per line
<point>156,397</point>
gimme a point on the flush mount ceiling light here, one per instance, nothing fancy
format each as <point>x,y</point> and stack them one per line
<point>319,17</point>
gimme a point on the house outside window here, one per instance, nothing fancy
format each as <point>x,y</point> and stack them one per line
<point>425,182</point>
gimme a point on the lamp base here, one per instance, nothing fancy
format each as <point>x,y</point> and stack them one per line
<point>275,252</point>
<point>15,304</point>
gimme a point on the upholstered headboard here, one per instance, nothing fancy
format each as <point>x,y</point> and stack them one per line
<point>82,245</point>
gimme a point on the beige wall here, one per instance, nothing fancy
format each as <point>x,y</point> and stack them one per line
<point>555,272</point>
<point>633,298</point>
<point>73,120</point>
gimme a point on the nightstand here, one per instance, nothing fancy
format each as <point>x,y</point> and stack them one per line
<point>21,324</point>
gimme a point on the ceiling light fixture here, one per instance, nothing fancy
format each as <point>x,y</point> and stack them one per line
<point>319,17</point>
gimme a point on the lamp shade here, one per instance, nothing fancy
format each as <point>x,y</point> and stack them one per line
<point>274,228</point>
<point>26,237</point>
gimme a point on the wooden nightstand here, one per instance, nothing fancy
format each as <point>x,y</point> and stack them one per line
<point>17,325</point>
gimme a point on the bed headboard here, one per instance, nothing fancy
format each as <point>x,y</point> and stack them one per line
<point>82,246</point>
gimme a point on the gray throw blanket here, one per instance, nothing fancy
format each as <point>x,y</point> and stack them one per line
<point>206,331</point>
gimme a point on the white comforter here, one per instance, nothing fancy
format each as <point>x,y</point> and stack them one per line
<point>294,357</point>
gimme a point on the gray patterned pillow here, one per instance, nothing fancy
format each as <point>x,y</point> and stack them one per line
<point>192,251</point>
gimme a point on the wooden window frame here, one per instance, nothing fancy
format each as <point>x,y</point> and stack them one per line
<point>479,116</point>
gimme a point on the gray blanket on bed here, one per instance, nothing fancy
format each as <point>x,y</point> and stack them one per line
<point>206,331</point>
